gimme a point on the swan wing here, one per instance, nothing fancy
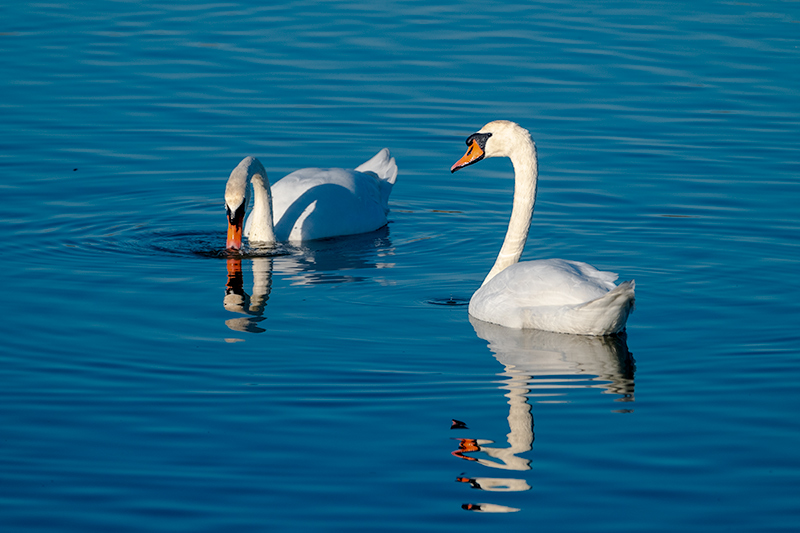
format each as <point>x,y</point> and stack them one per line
<point>555,295</point>
<point>550,282</point>
<point>317,203</point>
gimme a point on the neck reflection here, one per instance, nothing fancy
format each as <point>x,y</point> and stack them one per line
<point>238,301</point>
<point>543,367</point>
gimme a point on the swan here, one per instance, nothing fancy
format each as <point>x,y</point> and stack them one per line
<point>551,294</point>
<point>310,203</point>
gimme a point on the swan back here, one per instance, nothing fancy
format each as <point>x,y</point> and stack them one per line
<point>317,203</point>
<point>555,295</point>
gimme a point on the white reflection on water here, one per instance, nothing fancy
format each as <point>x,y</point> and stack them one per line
<point>238,301</point>
<point>319,262</point>
<point>536,364</point>
<point>341,259</point>
<point>543,363</point>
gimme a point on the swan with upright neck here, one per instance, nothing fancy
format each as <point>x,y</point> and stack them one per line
<point>552,294</point>
<point>308,204</point>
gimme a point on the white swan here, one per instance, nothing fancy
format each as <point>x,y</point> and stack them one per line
<point>310,203</point>
<point>552,294</point>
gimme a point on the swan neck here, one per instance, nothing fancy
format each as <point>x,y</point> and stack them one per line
<point>525,179</point>
<point>260,226</point>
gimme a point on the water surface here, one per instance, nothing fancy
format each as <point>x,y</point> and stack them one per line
<point>153,382</point>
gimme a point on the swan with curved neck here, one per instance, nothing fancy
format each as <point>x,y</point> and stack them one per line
<point>308,204</point>
<point>554,294</point>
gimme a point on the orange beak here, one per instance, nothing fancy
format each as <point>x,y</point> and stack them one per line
<point>234,276</point>
<point>234,268</point>
<point>464,446</point>
<point>473,155</point>
<point>234,236</point>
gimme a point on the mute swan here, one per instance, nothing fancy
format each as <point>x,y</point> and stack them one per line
<point>310,203</point>
<point>551,294</point>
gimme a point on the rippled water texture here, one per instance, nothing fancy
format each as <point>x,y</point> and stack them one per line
<point>153,381</point>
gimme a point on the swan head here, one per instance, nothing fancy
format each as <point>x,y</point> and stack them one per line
<point>499,138</point>
<point>237,196</point>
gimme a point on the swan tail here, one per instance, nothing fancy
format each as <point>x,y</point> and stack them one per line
<point>385,167</point>
<point>609,313</point>
<point>382,164</point>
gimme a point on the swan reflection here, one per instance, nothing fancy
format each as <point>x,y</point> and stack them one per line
<point>339,260</point>
<point>495,484</point>
<point>238,301</point>
<point>543,366</point>
<point>488,508</point>
<point>549,362</point>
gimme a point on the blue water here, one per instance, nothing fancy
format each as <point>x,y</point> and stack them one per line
<point>150,383</point>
